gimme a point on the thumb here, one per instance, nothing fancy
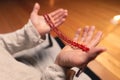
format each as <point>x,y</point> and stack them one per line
<point>35,9</point>
<point>96,51</point>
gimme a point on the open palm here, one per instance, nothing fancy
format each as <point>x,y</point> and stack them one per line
<point>58,17</point>
<point>74,57</point>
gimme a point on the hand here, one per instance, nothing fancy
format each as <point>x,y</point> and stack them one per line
<point>73,57</point>
<point>57,17</point>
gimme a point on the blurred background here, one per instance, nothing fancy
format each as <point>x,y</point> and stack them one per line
<point>104,14</point>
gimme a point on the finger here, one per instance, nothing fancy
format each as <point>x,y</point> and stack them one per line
<point>35,9</point>
<point>84,35</point>
<point>77,34</point>
<point>60,22</point>
<point>96,39</point>
<point>94,52</point>
<point>60,15</point>
<point>90,34</point>
<point>52,14</point>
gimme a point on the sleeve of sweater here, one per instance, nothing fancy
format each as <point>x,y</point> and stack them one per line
<point>54,72</point>
<point>24,38</point>
<point>20,71</point>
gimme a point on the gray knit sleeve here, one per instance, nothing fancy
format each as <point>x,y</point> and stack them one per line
<point>54,72</point>
<point>24,38</point>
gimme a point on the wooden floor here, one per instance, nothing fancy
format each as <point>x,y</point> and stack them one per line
<point>15,13</point>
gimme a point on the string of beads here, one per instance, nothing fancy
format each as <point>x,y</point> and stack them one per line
<point>60,35</point>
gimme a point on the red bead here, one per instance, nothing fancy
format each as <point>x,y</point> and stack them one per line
<point>59,33</point>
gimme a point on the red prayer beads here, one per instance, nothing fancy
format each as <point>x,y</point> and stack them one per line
<point>59,33</point>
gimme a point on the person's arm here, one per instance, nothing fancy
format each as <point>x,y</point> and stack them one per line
<point>29,35</point>
<point>8,65</point>
<point>25,38</point>
<point>73,57</point>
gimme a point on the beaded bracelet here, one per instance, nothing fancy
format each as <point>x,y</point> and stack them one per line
<point>60,35</point>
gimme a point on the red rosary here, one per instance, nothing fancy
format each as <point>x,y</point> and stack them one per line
<point>60,35</point>
<point>70,42</point>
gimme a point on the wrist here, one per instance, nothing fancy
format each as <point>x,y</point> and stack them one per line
<point>58,63</point>
<point>68,71</point>
<point>43,37</point>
